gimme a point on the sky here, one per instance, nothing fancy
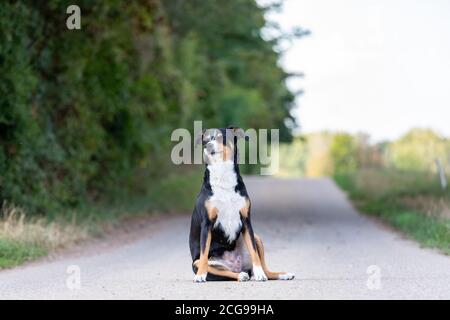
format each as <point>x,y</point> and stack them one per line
<point>376,66</point>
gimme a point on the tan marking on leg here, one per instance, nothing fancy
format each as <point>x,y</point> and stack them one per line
<point>244,211</point>
<point>253,254</point>
<point>271,275</point>
<point>203,261</point>
<point>223,273</point>
<point>212,211</point>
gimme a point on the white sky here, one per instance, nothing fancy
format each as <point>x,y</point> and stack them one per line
<point>376,66</point>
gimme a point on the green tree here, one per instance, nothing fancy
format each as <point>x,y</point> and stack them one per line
<point>344,152</point>
<point>86,115</point>
<point>418,149</point>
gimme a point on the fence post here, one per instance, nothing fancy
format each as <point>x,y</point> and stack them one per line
<point>441,171</point>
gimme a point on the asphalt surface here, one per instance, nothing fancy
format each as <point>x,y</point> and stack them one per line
<point>308,227</point>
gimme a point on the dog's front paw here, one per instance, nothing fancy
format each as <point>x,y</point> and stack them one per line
<point>243,276</point>
<point>200,277</point>
<point>286,276</point>
<point>258,274</point>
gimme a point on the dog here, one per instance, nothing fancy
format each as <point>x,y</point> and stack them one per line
<point>222,242</point>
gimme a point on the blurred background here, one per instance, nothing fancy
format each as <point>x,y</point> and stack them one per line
<point>375,110</point>
<point>358,90</point>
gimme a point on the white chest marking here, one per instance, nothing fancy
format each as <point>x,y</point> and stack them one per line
<point>223,180</point>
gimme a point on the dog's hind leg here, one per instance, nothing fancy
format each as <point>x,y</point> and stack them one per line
<point>270,274</point>
<point>221,273</point>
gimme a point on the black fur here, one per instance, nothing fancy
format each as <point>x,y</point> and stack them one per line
<point>201,224</point>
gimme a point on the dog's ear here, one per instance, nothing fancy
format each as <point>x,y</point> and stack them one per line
<point>238,132</point>
<point>199,138</point>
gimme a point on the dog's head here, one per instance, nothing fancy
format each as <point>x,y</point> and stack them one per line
<point>220,144</point>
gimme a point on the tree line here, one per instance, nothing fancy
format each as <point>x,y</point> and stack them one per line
<point>86,114</point>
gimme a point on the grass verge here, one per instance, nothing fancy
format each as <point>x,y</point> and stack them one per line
<point>409,201</point>
<point>24,238</point>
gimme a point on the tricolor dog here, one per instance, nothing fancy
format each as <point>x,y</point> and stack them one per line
<point>222,241</point>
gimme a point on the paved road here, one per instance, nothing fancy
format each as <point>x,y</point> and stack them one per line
<point>309,228</point>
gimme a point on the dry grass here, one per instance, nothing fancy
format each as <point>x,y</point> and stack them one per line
<point>416,191</point>
<point>23,237</point>
<point>433,206</point>
<point>379,183</point>
<point>15,226</point>
<point>413,202</point>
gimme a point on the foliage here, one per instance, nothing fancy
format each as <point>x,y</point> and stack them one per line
<point>343,151</point>
<point>86,115</point>
<point>396,181</point>
<point>24,237</point>
<point>403,187</point>
<point>292,158</point>
<point>322,153</point>
<point>338,153</point>
<point>418,150</point>
<point>392,195</point>
<point>15,252</point>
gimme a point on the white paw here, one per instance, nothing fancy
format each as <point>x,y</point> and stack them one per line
<point>286,276</point>
<point>200,277</point>
<point>258,274</point>
<point>243,276</point>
